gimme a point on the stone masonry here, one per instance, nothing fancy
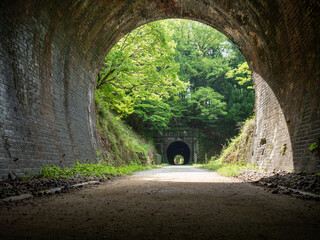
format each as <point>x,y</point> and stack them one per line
<point>188,137</point>
<point>51,52</point>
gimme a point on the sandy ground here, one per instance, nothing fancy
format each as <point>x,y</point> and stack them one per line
<point>176,202</point>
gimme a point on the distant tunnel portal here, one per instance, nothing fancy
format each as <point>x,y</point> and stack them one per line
<point>178,148</point>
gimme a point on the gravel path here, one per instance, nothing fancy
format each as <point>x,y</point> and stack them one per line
<point>176,202</point>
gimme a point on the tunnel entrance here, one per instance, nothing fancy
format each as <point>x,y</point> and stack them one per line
<point>178,159</point>
<point>178,148</point>
<point>60,95</point>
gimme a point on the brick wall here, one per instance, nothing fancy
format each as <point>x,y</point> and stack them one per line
<point>46,96</point>
<point>51,51</point>
<point>271,147</point>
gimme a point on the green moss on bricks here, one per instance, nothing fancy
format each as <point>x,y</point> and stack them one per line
<point>283,149</point>
<point>315,145</point>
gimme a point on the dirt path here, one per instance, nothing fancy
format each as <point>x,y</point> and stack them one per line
<point>178,202</point>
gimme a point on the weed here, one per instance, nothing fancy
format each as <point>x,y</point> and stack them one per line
<point>26,177</point>
<point>233,157</point>
<point>226,169</point>
<point>283,149</point>
<point>238,148</point>
<point>313,146</point>
<point>165,164</point>
<point>101,169</point>
<point>119,143</point>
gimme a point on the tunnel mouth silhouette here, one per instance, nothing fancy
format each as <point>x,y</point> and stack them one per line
<point>178,148</point>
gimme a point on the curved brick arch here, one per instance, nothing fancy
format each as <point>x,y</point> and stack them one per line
<point>52,51</point>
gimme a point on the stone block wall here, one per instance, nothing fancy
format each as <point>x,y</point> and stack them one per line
<point>51,51</point>
<point>271,148</point>
<point>46,96</point>
<point>188,137</point>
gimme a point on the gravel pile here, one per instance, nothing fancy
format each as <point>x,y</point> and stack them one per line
<point>249,175</point>
<point>280,180</point>
<point>16,187</point>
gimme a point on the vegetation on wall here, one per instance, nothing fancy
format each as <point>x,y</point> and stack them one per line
<point>234,156</point>
<point>119,144</point>
<point>315,145</point>
<point>238,148</point>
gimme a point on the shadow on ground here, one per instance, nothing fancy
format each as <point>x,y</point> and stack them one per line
<point>172,202</point>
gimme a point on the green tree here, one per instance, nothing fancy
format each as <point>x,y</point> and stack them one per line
<point>181,74</point>
<point>140,66</point>
<point>206,57</point>
<point>207,105</point>
<point>199,52</point>
<point>154,115</point>
<point>242,74</point>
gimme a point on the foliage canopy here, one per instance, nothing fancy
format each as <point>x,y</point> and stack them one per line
<point>140,67</point>
<point>178,74</point>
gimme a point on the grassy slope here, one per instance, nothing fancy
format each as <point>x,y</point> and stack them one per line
<point>234,156</point>
<point>119,144</point>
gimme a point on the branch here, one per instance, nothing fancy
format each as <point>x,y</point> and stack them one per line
<point>104,80</point>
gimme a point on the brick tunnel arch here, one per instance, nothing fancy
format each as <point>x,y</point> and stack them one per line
<point>53,50</point>
<point>178,148</point>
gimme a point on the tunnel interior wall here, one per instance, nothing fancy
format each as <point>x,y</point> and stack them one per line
<point>271,148</point>
<point>51,51</point>
<point>47,111</point>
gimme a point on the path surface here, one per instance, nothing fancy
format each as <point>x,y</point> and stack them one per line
<point>177,202</point>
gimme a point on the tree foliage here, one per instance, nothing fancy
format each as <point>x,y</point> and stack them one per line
<point>140,66</point>
<point>156,114</point>
<point>178,74</point>
<point>242,74</point>
<point>207,104</point>
<point>209,60</point>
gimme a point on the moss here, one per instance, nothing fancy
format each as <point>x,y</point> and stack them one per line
<point>283,149</point>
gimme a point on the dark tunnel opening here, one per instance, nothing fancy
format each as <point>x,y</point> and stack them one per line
<point>178,148</point>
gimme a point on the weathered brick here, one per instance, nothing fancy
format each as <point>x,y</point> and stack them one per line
<point>51,51</point>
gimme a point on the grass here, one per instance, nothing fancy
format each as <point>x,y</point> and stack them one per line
<point>226,169</point>
<point>119,143</point>
<point>100,169</point>
<point>238,149</point>
<point>233,157</point>
<point>165,164</point>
